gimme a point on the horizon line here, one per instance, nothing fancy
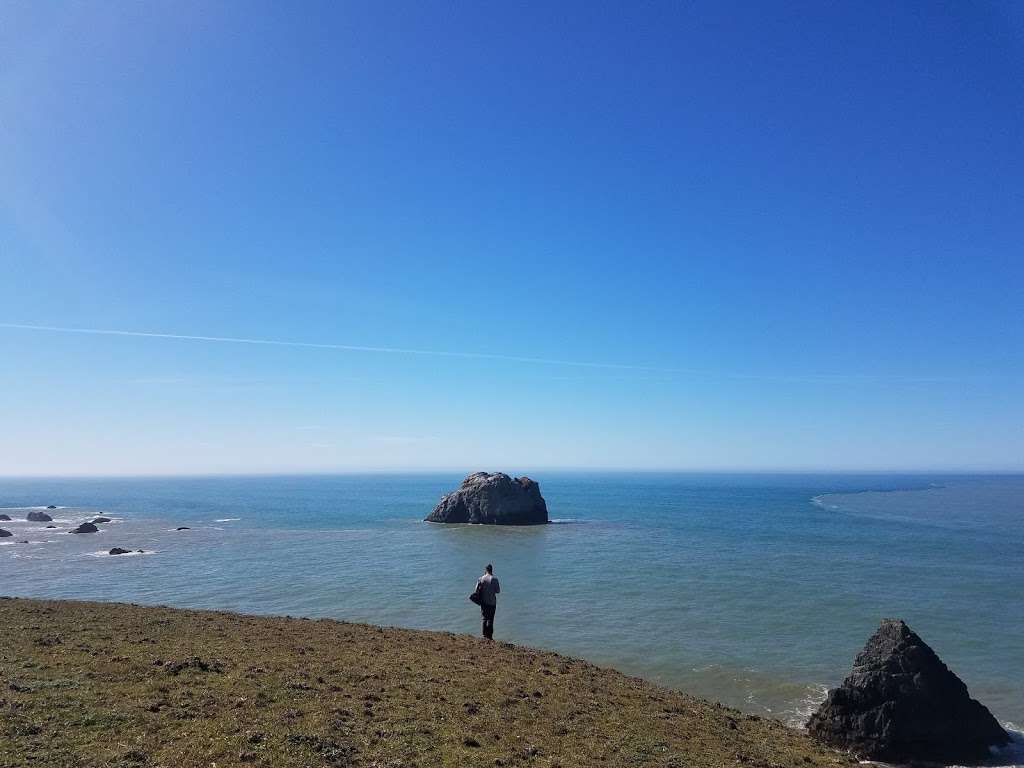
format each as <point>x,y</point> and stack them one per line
<point>948,471</point>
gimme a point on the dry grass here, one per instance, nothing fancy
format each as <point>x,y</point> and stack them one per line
<point>95,684</point>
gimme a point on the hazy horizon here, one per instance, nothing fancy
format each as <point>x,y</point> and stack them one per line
<point>236,239</point>
<point>537,472</point>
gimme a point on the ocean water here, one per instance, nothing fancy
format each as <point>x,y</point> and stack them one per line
<point>754,590</point>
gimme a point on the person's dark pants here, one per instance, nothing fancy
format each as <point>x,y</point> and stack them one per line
<point>488,614</point>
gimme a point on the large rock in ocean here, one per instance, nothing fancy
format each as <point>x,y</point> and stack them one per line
<point>85,528</point>
<point>493,499</point>
<point>35,516</point>
<point>4,534</point>
<point>901,703</point>
<point>5,517</point>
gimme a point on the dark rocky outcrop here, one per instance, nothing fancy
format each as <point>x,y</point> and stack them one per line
<point>51,526</point>
<point>494,499</point>
<point>85,528</point>
<point>119,551</point>
<point>5,517</point>
<point>52,506</point>
<point>4,534</point>
<point>183,528</point>
<point>96,520</point>
<point>901,703</point>
<point>35,516</point>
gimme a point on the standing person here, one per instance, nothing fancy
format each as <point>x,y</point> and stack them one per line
<point>487,587</point>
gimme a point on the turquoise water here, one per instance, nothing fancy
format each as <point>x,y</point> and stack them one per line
<point>753,590</point>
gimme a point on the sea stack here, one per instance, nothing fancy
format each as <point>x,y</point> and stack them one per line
<point>901,703</point>
<point>492,499</point>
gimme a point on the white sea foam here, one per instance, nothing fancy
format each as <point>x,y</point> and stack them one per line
<point>227,520</point>
<point>106,553</point>
<point>819,501</point>
<point>36,525</point>
<point>807,706</point>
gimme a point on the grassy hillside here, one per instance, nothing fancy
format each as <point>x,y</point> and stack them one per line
<point>95,684</point>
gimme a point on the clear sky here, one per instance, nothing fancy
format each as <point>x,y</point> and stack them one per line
<point>657,235</point>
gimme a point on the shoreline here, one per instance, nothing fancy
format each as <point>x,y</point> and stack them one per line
<point>123,684</point>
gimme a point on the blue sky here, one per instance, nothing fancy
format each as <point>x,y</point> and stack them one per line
<point>782,236</point>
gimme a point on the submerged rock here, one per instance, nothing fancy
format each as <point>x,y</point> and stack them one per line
<point>100,520</point>
<point>85,528</point>
<point>52,506</point>
<point>183,528</point>
<point>901,703</point>
<point>35,516</point>
<point>51,526</point>
<point>4,534</point>
<point>119,551</point>
<point>493,499</point>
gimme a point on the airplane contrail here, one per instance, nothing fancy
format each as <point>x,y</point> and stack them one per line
<point>811,378</point>
<point>342,347</point>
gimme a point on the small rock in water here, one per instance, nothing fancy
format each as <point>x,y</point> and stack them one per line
<point>119,551</point>
<point>51,526</point>
<point>52,506</point>
<point>902,704</point>
<point>5,517</point>
<point>85,528</point>
<point>101,520</point>
<point>183,528</point>
<point>35,516</point>
<point>4,534</point>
